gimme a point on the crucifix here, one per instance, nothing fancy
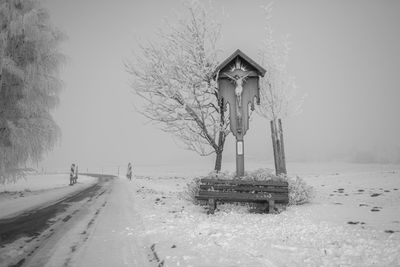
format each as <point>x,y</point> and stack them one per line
<point>238,87</point>
<point>238,80</point>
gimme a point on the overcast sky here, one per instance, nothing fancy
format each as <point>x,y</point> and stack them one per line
<point>345,56</point>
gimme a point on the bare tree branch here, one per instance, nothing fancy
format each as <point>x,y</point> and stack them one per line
<point>174,79</point>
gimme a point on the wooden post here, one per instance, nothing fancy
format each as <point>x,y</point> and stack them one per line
<point>72,174</point>
<point>239,156</point>
<point>212,205</point>
<point>76,174</point>
<point>271,206</point>
<point>282,150</point>
<point>129,173</point>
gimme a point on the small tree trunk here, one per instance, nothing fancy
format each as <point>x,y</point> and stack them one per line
<point>1,63</point>
<point>279,156</point>
<point>282,150</point>
<point>218,151</point>
<point>3,45</point>
<point>218,161</point>
<point>221,139</point>
<point>276,156</point>
<point>278,147</point>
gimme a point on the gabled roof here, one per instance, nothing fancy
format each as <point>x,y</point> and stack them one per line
<point>261,71</point>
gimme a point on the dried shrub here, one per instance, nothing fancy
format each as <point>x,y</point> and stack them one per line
<point>299,191</point>
<point>192,189</point>
<point>225,175</point>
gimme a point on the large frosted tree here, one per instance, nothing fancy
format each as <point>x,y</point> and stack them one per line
<point>29,85</point>
<point>174,78</point>
<point>277,89</point>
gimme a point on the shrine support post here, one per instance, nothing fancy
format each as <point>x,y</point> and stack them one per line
<point>239,155</point>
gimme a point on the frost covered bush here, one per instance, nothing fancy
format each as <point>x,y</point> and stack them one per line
<point>225,175</point>
<point>257,175</point>
<point>299,192</point>
<point>192,188</point>
<point>261,175</point>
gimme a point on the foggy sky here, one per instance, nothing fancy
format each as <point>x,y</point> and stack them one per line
<point>345,56</point>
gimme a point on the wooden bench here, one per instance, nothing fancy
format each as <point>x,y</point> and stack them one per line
<point>265,193</point>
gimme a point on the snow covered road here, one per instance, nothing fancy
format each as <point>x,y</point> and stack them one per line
<point>115,236</point>
<point>93,228</point>
<point>37,190</point>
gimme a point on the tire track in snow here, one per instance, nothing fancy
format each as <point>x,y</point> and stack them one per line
<point>85,234</point>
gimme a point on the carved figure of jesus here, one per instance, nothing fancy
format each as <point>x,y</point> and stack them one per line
<point>239,81</point>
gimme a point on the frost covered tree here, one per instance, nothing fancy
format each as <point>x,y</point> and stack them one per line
<point>29,85</point>
<point>174,77</point>
<point>277,89</point>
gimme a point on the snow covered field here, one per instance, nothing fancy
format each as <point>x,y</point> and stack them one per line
<point>354,220</point>
<point>36,190</point>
